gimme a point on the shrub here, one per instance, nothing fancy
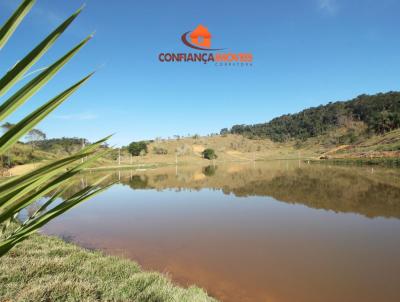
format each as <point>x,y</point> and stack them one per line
<point>137,148</point>
<point>209,154</point>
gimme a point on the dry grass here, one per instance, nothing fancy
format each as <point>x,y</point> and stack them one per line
<point>230,148</point>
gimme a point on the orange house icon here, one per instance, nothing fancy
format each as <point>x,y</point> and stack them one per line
<point>201,37</point>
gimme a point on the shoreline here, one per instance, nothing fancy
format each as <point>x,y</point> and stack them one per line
<point>48,267</point>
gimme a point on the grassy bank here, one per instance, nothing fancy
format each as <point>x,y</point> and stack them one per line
<point>45,268</point>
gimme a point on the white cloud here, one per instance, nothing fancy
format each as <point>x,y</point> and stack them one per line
<point>76,117</point>
<point>329,6</point>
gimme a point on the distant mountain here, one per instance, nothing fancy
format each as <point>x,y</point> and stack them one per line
<point>379,113</point>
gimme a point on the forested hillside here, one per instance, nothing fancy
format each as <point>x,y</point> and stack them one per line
<point>379,113</point>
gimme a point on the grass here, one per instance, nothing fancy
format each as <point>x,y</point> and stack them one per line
<point>44,268</point>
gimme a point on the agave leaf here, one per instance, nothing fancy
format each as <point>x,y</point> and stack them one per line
<point>13,204</point>
<point>17,72</point>
<point>42,208</point>
<point>90,160</point>
<point>56,166</point>
<point>7,244</point>
<point>26,124</point>
<point>17,187</point>
<point>33,175</point>
<point>12,23</point>
<point>14,196</point>
<point>25,231</point>
<point>64,206</point>
<point>36,83</point>
<point>20,189</point>
<point>95,145</point>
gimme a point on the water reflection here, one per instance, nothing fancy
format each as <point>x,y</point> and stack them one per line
<point>274,231</point>
<point>372,193</point>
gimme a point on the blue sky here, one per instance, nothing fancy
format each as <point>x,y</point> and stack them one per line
<point>306,53</point>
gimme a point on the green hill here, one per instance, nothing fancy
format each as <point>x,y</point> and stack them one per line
<point>363,116</point>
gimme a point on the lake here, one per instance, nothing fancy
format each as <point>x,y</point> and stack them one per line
<point>278,231</point>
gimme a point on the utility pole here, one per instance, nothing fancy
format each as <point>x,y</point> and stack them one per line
<point>119,156</point>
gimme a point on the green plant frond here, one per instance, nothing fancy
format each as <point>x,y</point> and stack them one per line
<point>33,86</point>
<point>15,203</point>
<point>8,189</point>
<point>35,224</point>
<point>26,124</point>
<point>20,189</point>
<point>16,194</point>
<point>12,23</point>
<point>44,206</point>
<point>6,245</point>
<point>91,160</point>
<point>64,206</point>
<point>18,71</point>
<point>53,167</point>
<point>41,209</point>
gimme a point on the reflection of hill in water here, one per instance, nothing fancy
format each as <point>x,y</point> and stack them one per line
<point>337,191</point>
<point>371,193</point>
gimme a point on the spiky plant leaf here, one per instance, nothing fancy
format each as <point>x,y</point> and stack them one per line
<point>35,84</point>
<point>66,205</point>
<point>12,23</point>
<point>49,169</point>
<point>17,194</point>
<point>14,204</point>
<point>18,71</point>
<point>26,124</point>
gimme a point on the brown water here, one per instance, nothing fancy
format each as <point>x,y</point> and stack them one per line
<point>278,231</point>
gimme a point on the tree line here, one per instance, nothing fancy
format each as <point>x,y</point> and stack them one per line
<point>380,113</point>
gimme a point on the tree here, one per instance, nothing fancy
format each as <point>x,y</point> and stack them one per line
<point>209,154</point>
<point>137,148</point>
<point>35,135</point>
<point>224,131</point>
